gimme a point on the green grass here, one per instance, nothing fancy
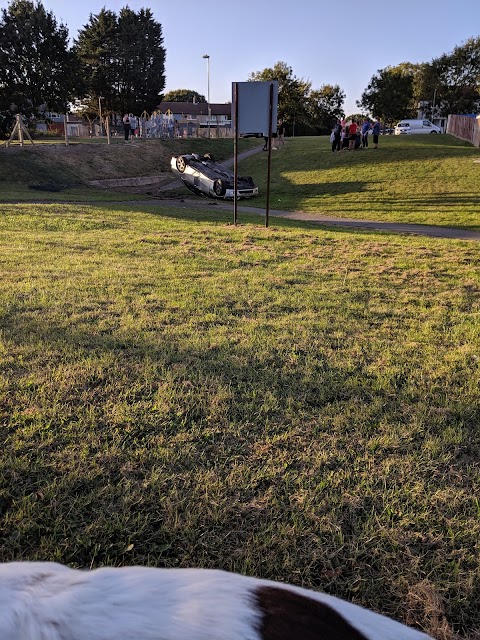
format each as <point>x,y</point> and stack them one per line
<point>417,179</point>
<point>289,403</point>
<point>49,192</point>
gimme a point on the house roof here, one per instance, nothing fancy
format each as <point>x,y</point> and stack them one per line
<point>196,108</point>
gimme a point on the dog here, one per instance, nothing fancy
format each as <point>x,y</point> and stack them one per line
<point>49,601</point>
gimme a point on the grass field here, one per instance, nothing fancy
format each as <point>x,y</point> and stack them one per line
<point>289,403</point>
<point>417,179</point>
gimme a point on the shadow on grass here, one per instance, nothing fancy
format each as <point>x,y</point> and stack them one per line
<point>91,506</point>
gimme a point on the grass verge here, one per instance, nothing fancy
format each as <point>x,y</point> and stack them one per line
<point>421,179</point>
<point>290,403</point>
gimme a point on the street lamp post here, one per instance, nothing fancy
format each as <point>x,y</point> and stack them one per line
<point>100,98</point>
<point>207,57</point>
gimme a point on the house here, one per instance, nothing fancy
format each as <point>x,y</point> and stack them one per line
<point>220,114</point>
<point>76,126</point>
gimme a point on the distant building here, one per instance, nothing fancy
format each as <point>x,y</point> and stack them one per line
<point>198,112</point>
<point>76,126</point>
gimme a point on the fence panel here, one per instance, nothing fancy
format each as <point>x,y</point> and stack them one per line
<point>465,127</point>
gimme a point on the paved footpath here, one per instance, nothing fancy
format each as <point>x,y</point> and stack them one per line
<point>316,218</point>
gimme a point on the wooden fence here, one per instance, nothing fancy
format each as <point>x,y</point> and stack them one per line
<point>465,127</point>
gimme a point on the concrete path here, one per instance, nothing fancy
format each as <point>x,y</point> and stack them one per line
<point>315,218</point>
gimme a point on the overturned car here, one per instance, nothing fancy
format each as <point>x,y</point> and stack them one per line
<point>204,176</point>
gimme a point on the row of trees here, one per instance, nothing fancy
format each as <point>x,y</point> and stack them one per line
<point>306,111</point>
<point>447,84</point>
<point>119,58</point>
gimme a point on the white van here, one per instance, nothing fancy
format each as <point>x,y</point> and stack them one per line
<point>416,126</point>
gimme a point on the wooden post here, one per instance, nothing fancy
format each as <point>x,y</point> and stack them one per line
<point>65,122</point>
<point>20,129</point>
<point>107,127</point>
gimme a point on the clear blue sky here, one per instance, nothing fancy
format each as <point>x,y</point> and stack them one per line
<point>323,42</point>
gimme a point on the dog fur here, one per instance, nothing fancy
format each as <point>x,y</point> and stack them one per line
<point>48,601</point>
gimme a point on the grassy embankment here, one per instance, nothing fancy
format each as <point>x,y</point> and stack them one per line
<point>418,179</point>
<point>55,172</point>
<point>290,403</point>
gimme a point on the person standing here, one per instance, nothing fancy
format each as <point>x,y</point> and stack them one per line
<point>126,126</point>
<point>337,133</point>
<point>280,134</point>
<point>353,135</point>
<point>365,130</point>
<point>133,127</point>
<point>376,132</point>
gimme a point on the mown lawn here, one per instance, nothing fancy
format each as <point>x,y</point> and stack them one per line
<point>289,403</point>
<point>423,179</point>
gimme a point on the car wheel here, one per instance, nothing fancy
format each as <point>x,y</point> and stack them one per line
<point>181,164</point>
<point>219,187</point>
<point>433,132</point>
<point>208,156</point>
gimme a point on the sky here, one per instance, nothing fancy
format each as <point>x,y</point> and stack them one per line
<point>322,42</point>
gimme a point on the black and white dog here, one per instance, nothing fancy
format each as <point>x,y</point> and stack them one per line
<point>48,601</point>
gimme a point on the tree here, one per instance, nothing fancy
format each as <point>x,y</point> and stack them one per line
<point>292,92</point>
<point>454,80</point>
<point>389,95</point>
<point>123,59</point>
<point>326,106</point>
<point>38,68</point>
<point>184,95</point>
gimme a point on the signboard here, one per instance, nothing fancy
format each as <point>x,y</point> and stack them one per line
<point>254,106</point>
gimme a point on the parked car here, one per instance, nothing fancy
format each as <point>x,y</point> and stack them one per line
<point>416,126</point>
<point>204,176</point>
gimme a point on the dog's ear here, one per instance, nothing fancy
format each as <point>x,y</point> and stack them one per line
<point>287,615</point>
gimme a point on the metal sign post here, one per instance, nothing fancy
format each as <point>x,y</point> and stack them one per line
<point>254,111</point>
<point>269,163</point>
<point>235,156</point>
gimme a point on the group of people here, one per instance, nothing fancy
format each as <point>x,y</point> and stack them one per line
<point>354,135</point>
<point>130,126</point>
<point>278,139</point>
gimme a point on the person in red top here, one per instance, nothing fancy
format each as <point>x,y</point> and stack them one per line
<point>353,134</point>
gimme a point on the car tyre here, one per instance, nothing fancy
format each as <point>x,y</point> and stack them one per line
<point>181,164</point>
<point>208,156</point>
<point>219,187</point>
<point>433,132</point>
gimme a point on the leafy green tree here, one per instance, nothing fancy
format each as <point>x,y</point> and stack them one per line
<point>292,92</point>
<point>326,106</point>
<point>358,117</point>
<point>38,68</point>
<point>389,94</point>
<point>123,59</point>
<point>184,95</point>
<point>96,48</point>
<point>453,79</point>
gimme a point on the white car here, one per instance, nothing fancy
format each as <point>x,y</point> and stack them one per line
<point>416,126</point>
<point>204,176</point>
